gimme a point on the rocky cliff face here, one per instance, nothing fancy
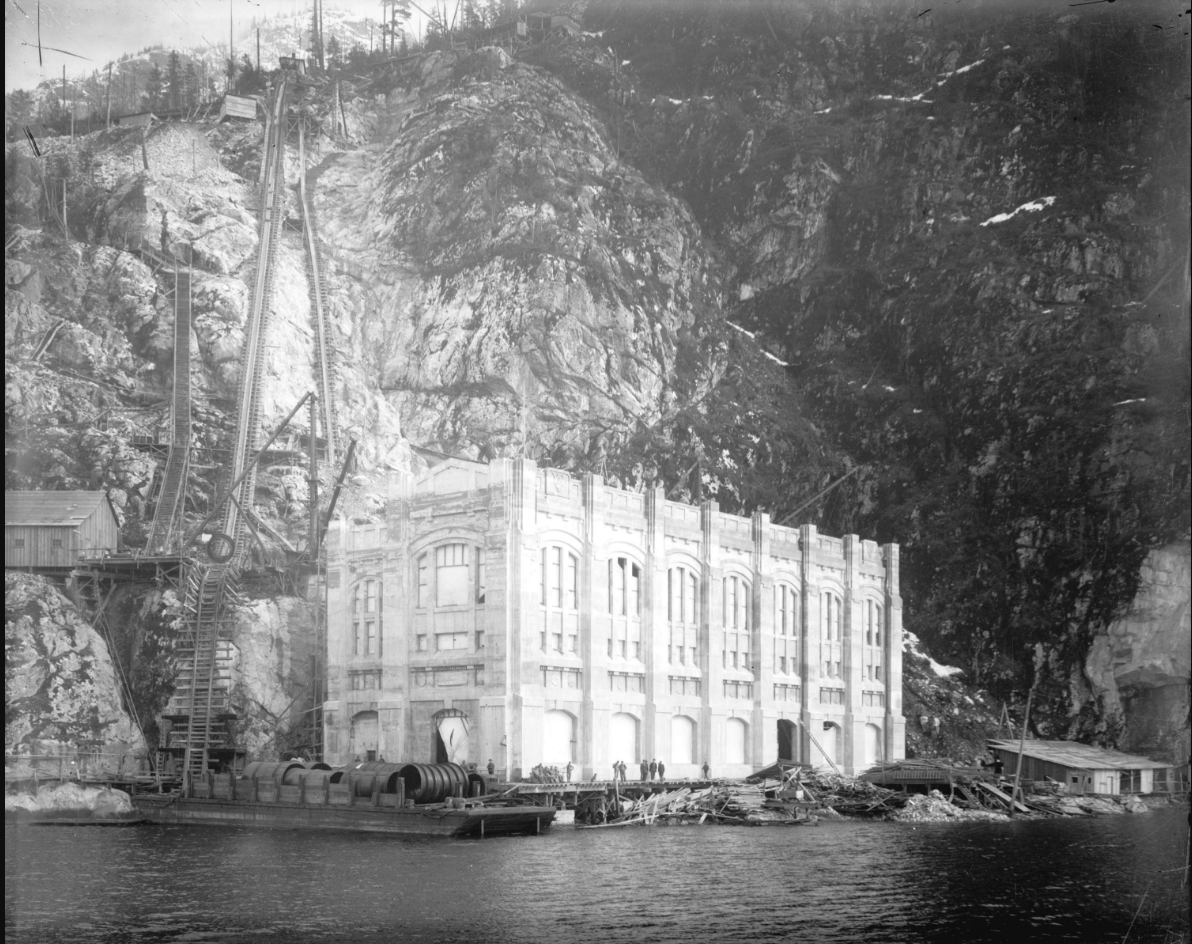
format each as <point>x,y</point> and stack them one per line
<point>517,285</point>
<point>959,230</point>
<point>62,695</point>
<point>1138,669</point>
<point>738,250</point>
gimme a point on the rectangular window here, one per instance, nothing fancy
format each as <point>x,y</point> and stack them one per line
<point>556,576</point>
<point>55,542</point>
<point>831,696</point>
<point>20,542</point>
<point>626,682</point>
<point>357,640</point>
<point>370,596</point>
<point>423,582</point>
<point>572,582</point>
<point>421,642</point>
<point>573,643</point>
<point>479,639</point>
<point>370,638</point>
<point>451,575</point>
<point>449,641</point>
<point>480,589</point>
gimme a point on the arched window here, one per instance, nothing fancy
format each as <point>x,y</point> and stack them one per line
<point>682,613</point>
<point>558,737</point>
<point>873,745</point>
<point>363,735</point>
<point>831,617</point>
<point>559,600</point>
<point>624,607</point>
<point>829,744</point>
<point>366,618</point>
<point>735,613</point>
<point>451,575</point>
<point>736,741</point>
<point>682,740</point>
<point>872,669</point>
<point>623,739</point>
<point>786,629</point>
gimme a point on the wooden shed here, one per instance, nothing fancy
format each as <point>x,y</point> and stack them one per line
<point>294,64</point>
<point>238,106</point>
<point>140,120</point>
<point>1081,768</point>
<point>49,530</point>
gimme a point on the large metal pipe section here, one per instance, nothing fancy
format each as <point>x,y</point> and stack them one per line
<point>433,783</point>
<point>270,770</point>
<point>297,775</point>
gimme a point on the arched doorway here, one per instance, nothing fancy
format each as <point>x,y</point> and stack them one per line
<point>365,732</point>
<point>623,741</point>
<point>830,744</point>
<point>735,739</point>
<point>788,740</point>
<point>682,740</point>
<point>558,737</point>
<point>450,736</point>
<point>873,745</point>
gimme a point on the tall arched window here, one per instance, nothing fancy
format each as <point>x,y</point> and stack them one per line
<point>450,589</point>
<point>735,613</point>
<point>559,600</point>
<point>624,606</point>
<point>683,750</point>
<point>871,670</point>
<point>736,741</point>
<point>682,614</point>
<point>366,618</point>
<point>786,629</point>
<point>831,616</point>
<point>451,575</point>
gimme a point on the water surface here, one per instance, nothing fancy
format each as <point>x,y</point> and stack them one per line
<point>1053,880</point>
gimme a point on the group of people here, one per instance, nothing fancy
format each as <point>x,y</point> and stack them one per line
<point>649,770</point>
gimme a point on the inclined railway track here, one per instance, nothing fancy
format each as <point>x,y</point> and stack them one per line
<point>319,312</point>
<point>201,701</point>
<point>167,516</point>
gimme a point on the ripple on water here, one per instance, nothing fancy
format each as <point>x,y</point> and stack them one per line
<point>973,882</point>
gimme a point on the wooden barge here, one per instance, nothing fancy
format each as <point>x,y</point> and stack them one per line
<point>409,799</point>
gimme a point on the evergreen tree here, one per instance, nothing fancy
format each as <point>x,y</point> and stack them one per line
<point>18,109</point>
<point>174,70</point>
<point>154,86</point>
<point>333,53</point>
<point>190,85</point>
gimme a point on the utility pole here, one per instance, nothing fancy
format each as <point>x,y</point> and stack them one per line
<point>322,55</point>
<point>258,49</point>
<point>109,123</point>
<point>231,49</point>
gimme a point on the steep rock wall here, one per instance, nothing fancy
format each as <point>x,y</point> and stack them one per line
<point>520,280</point>
<point>1139,669</point>
<point>61,691</point>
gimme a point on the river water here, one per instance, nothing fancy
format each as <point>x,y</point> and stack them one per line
<point>1051,880</point>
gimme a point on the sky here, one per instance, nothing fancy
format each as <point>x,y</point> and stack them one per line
<point>85,34</point>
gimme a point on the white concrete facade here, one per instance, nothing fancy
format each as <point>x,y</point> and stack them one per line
<point>509,612</point>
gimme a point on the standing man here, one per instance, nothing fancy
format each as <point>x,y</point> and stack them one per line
<point>707,771</point>
<point>616,770</point>
<point>661,770</point>
<point>492,768</point>
<point>645,770</point>
<point>569,769</point>
<point>653,768</point>
<point>624,767</point>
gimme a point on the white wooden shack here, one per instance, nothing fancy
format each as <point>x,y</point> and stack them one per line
<point>1081,768</point>
<point>49,530</point>
<point>140,120</point>
<point>238,106</point>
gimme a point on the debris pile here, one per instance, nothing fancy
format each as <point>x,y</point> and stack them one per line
<point>934,807</point>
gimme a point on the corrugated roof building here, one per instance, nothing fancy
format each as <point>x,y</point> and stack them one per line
<point>1082,768</point>
<point>49,530</point>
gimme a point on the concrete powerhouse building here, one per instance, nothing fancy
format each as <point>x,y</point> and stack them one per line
<point>510,612</point>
